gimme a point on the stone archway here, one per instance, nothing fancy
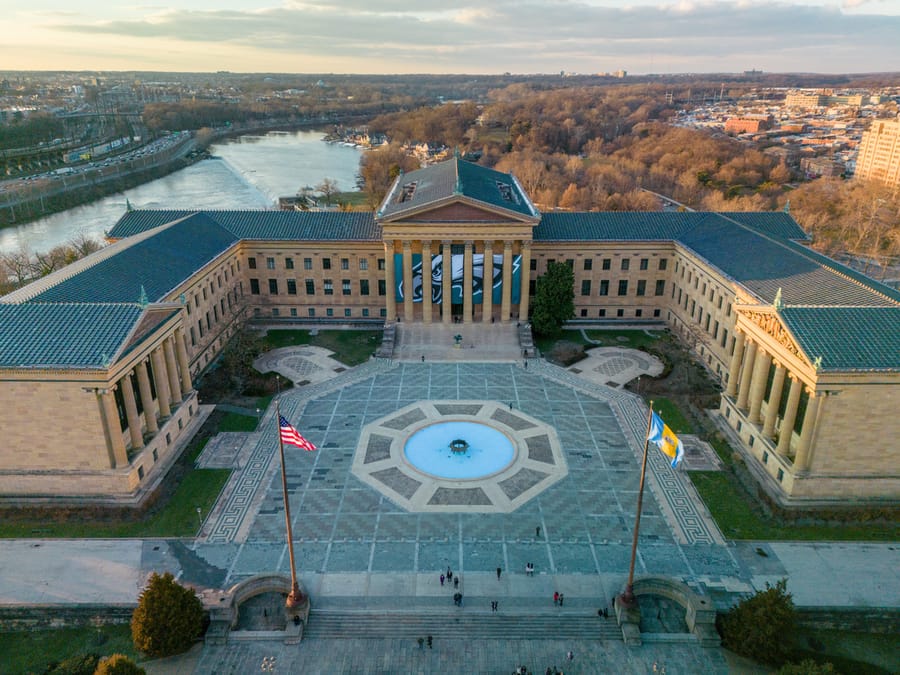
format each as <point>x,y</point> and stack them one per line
<point>254,609</point>
<point>699,610</point>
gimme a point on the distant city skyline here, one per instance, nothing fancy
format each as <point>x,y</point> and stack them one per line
<point>462,36</point>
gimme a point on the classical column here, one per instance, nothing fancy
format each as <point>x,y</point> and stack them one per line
<point>146,397</point>
<point>467,283</point>
<point>758,386</point>
<point>172,370</point>
<point>487,287</point>
<point>746,375</point>
<point>390,291</point>
<point>131,412</point>
<point>801,459</point>
<point>115,445</point>
<point>426,282</point>
<point>183,363</point>
<point>735,370</point>
<point>506,295</point>
<point>525,272</point>
<point>161,379</point>
<point>774,401</point>
<point>790,416</point>
<point>446,281</point>
<point>407,282</point>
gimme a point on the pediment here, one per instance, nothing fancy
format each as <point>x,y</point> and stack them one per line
<point>772,325</point>
<point>458,209</point>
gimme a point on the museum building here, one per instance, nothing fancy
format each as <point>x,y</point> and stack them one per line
<point>98,360</point>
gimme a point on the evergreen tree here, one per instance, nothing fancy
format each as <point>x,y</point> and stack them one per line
<point>554,299</point>
<point>761,627</point>
<point>118,664</point>
<point>168,618</point>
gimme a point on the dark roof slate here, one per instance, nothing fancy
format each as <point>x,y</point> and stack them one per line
<point>157,265</point>
<point>847,338</point>
<point>456,177</point>
<point>64,335</point>
<point>283,225</point>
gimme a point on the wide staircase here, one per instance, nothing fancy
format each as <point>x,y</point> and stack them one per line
<point>459,624</point>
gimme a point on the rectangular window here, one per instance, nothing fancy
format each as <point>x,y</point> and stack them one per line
<point>724,336</point>
<point>584,313</point>
<point>365,312</point>
<point>329,311</point>
<point>571,263</point>
<point>606,263</point>
<point>586,287</point>
<point>588,264</point>
<point>660,286</point>
<point>288,263</point>
<point>345,287</point>
<point>706,327</point>
<point>638,313</point>
<point>345,263</point>
<point>641,287</point>
<point>254,286</point>
<point>347,311</point>
<point>292,286</point>
<point>310,287</point>
<point>275,311</point>
<point>623,287</point>
<point>693,307</point>
<point>193,337</point>
<point>620,313</point>
<point>656,313</point>
<point>273,286</point>
<point>329,287</point>
<point>601,313</point>
<point>293,311</point>
<point>382,287</point>
<point>251,263</point>
<point>663,262</point>
<point>363,286</point>
<point>270,263</point>
<point>645,263</point>
<point>382,312</point>
<point>604,287</point>
<point>532,265</point>
<point>363,264</point>
<point>381,263</point>
<point>307,263</point>
<point>326,263</point>
<point>626,263</point>
<point>311,311</point>
<point>728,310</point>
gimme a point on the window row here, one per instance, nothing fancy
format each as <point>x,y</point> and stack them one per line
<point>606,264</point>
<point>641,289</point>
<point>327,287</point>
<point>308,263</point>
<point>311,312</point>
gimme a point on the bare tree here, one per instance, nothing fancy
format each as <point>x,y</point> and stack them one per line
<point>328,188</point>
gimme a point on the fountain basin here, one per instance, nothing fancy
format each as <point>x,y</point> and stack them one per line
<point>430,450</point>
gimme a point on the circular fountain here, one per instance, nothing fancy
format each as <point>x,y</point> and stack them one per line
<point>459,450</point>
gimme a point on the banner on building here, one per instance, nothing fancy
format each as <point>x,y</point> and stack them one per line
<point>420,282</point>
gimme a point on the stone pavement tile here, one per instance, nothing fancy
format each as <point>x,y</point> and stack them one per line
<point>310,526</point>
<point>392,557</point>
<point>610,528</point>
<point>254,558</point>
<point>436,556</point>
<point>360,501</point>
<point>753,563</point>
<point>483,556</point>
<point>662,559</point>
<point>710,560</point>
<point>518,526</point>
<point>348,556</point>
<point>308,557</point>
<point>438,526</point>
<point>613,558</point>
<point>597,502</point>
<point>518,555</point>
<point>355,526</point>
<point>573,559</point>
<point>397,527</point>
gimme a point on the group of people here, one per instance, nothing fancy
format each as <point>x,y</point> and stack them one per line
<point>450,577</point>
<point>529,569</point>
<point>558,598</point>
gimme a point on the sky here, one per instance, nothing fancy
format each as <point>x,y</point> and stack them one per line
<point>452,36</point>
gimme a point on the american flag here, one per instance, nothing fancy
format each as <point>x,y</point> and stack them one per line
<point>291,436</point>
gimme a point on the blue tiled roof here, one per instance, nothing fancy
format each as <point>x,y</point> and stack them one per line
<point>847,338</point>
<point>64,335</point>
<point>281,225</point>
<point>158,265</point>
<point>614,226</point>
<point>440,181</point>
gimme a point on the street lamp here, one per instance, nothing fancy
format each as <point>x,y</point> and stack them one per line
<point>200,516</point>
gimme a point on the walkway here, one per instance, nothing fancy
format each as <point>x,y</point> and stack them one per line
<point>436,342</point>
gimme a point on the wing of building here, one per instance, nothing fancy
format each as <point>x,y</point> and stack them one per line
<point>97,360</point>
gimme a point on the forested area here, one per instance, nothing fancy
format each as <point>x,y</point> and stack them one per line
<point>601,148</point>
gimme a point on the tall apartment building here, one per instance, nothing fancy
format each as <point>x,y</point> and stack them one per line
<point>879,153</point>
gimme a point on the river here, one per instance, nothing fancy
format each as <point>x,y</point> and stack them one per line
<point>246,172</point>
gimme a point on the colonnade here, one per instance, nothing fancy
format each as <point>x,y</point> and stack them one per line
<point>748,376</point>
<point>171,374</point>
<point>470,248</point>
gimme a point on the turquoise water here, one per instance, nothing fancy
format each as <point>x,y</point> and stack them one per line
<point>429,451</point>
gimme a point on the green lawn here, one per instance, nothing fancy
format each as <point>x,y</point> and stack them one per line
<point>350,347</point>
<point>737,519</point>
<point>672,416</point>
<point>237,422</point>
<point>32,651</point>
<point>199,487</point>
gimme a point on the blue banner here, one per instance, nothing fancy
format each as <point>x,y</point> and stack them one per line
<point>456,278</point>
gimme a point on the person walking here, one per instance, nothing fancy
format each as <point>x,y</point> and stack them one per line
<point>429,641</point>
<point>499,572</point>
<point>570,656</point>
<point>537,532</point>
<point>555,598</point>
<point>561,598</point>
<point>456,581</point>
<point>442,580</point>
<point>449,574</point>
<point>421,642</point>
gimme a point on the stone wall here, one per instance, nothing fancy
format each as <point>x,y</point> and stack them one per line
<point>41,617</point>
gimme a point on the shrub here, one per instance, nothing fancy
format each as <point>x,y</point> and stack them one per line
<point>808,667</point>
<point>118,664</point>
<point>168,618</point>
<point>760,627</point>
<point>82,664</point>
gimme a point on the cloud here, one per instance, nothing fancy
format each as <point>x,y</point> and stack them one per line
<point>532,35</point>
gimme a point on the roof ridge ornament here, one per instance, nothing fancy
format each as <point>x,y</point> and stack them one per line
<point>787,207</point>
<point>143,300</point>
<point>458,188</point>
<point>817,363</point>
<point>778,303</point>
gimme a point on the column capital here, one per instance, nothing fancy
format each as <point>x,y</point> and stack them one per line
<point>426,242</point>
<point>469,243</point>
<point>446,242</point>
<point>525,243</point>
<point>407,244</point>
<point>507,244</point>
<point>388,242</point>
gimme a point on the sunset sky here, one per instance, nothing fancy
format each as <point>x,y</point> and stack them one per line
<point>444,36</point>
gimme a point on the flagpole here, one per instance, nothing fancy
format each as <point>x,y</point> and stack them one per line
<point>295,598</point>
<point>627,597</point>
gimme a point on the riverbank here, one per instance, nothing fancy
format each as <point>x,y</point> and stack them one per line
<point>25,202</point>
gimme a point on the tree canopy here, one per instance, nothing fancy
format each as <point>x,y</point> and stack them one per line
<point>168,618</point>
<point>762,626</point>
<point>554,299</point>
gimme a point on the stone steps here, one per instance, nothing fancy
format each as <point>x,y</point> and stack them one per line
<point>459,624</point>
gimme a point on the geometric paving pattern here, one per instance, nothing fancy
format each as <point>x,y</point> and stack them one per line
<point>581,524</point>
<point>380,460</point>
